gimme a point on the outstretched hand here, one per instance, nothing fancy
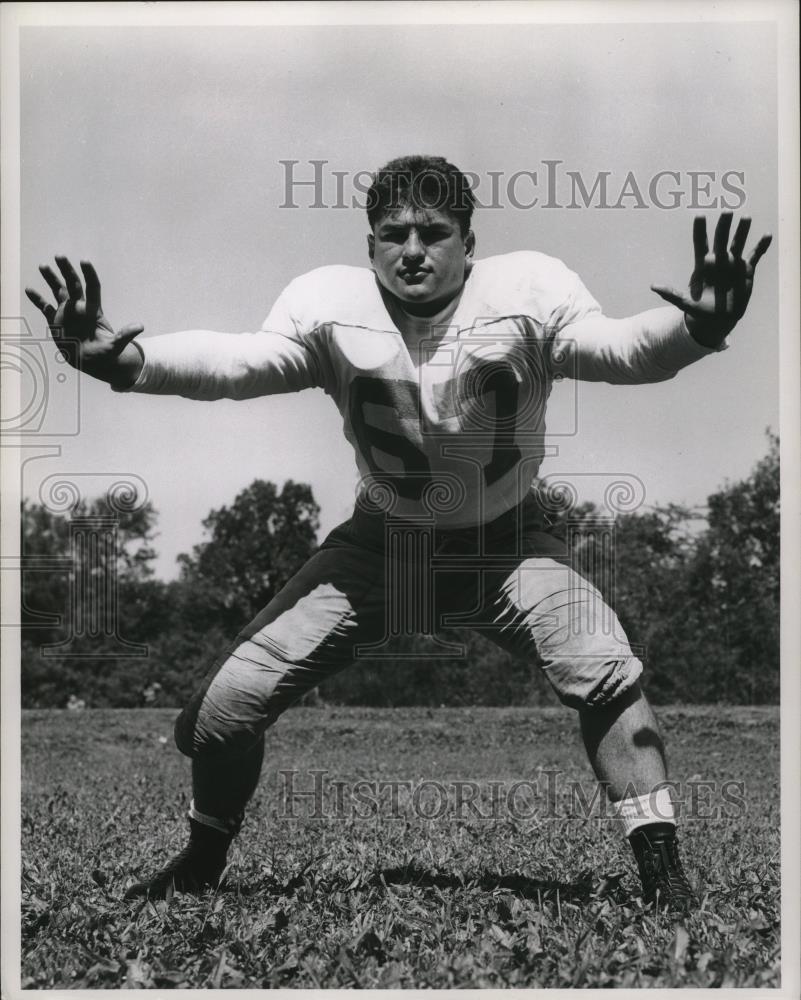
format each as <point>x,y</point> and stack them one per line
<point>79,328</point>
<point>721,282</point>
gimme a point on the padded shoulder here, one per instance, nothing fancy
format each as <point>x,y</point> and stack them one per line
<point>334,294</point>
<point>526,283</point>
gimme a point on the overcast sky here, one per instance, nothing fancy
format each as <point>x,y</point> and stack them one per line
<point>156,153</point>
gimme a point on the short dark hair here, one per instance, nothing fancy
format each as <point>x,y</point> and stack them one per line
<point>424,182</point>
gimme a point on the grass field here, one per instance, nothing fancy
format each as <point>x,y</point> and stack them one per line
<point>535,897</point>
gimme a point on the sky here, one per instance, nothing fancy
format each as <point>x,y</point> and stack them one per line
<point>156,153</point>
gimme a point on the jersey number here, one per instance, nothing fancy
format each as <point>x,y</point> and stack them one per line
<point>402,398</point>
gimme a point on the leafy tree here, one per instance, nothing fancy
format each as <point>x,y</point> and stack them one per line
<point>485,675</point>
<point>83,598</point>
<point>253,549</point>
<point>697,596</point>
<point>735,582</point>
<point>652,552</point>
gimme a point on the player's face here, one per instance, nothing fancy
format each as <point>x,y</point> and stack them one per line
<point>420,256</point>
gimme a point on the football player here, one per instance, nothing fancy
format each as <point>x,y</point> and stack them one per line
<point>441,366</point>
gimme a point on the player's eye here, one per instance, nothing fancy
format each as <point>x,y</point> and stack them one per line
<point>434,234</point>
<point>393,235</point>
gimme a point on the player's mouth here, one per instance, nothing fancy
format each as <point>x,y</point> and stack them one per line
<point>414,277</point>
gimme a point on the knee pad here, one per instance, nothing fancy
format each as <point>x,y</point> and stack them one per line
<point>593,681</point>
<point>184,732</point>
<point>200,736</point>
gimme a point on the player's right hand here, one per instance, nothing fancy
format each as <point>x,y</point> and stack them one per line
<point>81,331</point>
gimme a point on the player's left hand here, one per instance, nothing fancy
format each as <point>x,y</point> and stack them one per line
<point>721,282</point>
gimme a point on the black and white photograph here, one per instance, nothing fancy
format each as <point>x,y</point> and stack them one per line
<point>400,496</point>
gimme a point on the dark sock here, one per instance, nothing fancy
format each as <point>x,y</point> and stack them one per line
<point>222,788</point>
<point>209,840</point>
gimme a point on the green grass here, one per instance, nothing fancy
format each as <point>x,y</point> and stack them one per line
<point>390,902</point>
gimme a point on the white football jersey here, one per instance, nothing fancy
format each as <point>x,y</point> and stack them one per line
<point>447,415</point>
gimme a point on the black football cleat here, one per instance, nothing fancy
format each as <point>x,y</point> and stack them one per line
<point>197,867</point>
<point>664,881</point>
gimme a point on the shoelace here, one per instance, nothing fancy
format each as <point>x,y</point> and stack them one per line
<point>180,859</point>
<point>662,866</point>
<point>190,867</point>
<point>676,878</point>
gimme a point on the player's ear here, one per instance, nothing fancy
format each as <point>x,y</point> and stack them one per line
<point>370,246</point>
<point>469,244</point>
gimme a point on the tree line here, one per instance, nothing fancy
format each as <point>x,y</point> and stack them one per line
<point>697,593</point>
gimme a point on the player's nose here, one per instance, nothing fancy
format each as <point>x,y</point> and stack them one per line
<point>413,248</point>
